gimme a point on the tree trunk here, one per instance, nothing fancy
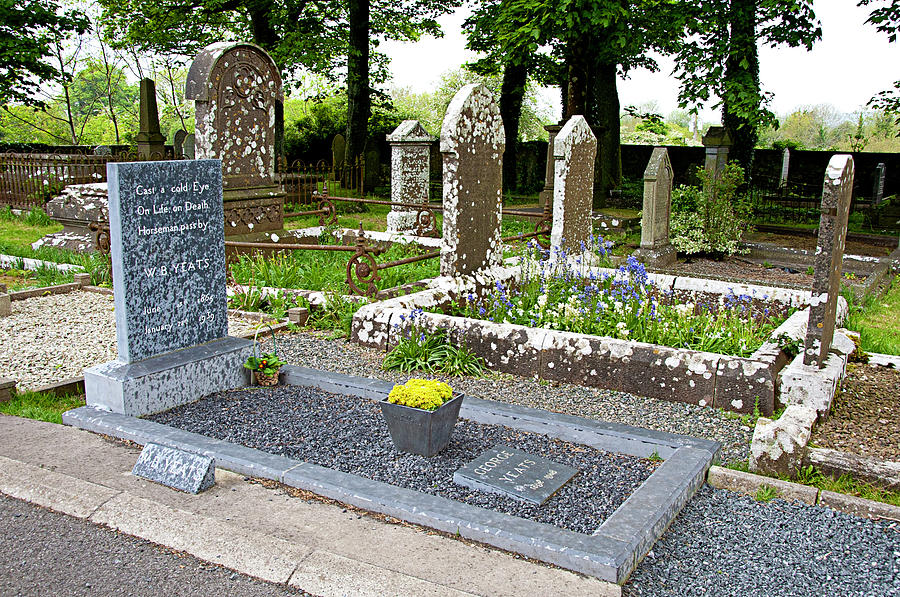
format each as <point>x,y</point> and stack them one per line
<point>358,107</point>
<point>512,93</point>
<point>742,93</point>
<point>603,116</point>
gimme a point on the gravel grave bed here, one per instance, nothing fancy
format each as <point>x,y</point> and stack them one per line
<point>313,349</point>
<point>865,416</point>
<point>741,270</point>
<point>808,243</point>
<point>348,434</point>
<point>48,339</point>
<point>723,543</point>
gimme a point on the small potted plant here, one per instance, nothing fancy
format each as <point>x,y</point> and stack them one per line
<point>420,415</point>
<point>265,366</point>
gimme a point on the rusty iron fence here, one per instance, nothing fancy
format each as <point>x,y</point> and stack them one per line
<point>303,182</point>
<point>29,180</point>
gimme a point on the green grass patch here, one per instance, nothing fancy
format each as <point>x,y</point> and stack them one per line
<point>41,406</point>
<point>846,484</point>
<point>21,231</point>
<point>877,320</point>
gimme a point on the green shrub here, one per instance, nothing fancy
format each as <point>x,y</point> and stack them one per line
<point>432,352</point>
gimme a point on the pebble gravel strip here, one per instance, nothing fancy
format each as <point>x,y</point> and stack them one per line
<point>51,338</point>
<point>348,434</point>
<point>308,349</point>
<point>724,543</point>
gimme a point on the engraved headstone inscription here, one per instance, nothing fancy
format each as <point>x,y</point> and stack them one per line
<point>516,474</point>
<point>168,255</point>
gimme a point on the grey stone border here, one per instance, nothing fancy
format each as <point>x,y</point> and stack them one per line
<point>610,554</point>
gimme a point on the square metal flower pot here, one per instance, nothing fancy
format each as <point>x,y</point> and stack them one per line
<point>423,432</point>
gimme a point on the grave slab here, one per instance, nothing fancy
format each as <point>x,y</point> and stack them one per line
<point>516,474</point>
<point>178,469</point>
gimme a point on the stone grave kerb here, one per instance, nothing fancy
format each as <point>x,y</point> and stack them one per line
<point>656,251</point>
<point>151,144</point>
<point>837,192</point>
<point>574,151</point>
<point>472,144</point>
<point>237,91</point>
<point>410,162</point>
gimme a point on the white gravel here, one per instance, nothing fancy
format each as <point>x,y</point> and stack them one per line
<point>51,338</point>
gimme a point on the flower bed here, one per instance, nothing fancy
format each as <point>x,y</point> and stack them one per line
<point>698,376</point>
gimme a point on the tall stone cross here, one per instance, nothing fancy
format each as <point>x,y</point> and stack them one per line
<point>836,194</point>
<point>472,143</point>
<point>656,251</point>
<point>574,150</point>
<point>410,161</point>
<point>236,89</point>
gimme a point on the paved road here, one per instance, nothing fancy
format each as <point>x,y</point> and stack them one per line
<point>46,553</point>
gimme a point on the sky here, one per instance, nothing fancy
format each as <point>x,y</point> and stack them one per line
<point>850,64</point>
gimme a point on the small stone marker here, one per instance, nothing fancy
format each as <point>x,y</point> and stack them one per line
<point>5,302</point>
<point>472,143</point>
<point>574,150</point>
<point>878,188</point>
<point>151,144</point>
<point>837,192</point>
<point>656,251</point>
<point>178,469</point>
<point>7,389</point>
<point>410,158</point>
<point>515,474</point>
<point>785,166</point>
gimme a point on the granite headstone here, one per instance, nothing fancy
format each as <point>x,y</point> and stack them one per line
<point>151,143</point>
<point>574,150</point>
<point>178,469</point>
<point>516,474</point>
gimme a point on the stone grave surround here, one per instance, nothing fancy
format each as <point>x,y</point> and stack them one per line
<point>574,150</point>
<point>472,144</point>
<point>837,191</point>
<point>410,160</point>
<point>168,265</point>
<point>656,251</point>
<point>76,208</point>
<point>236,89</point>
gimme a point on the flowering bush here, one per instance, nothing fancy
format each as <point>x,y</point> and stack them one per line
<point>626,305</point>
<point>267,363</point>
<point>427,394</point>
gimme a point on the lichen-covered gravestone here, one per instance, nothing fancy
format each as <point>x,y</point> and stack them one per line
<point>574,149</point>
<point>656,251</point>
<point>472,143</point>
<point>151,144</point>
<point>717,141</point>
<point>410,158</point>
<point>236,89</point>
<point>836,194</point>
<point>168,265</point>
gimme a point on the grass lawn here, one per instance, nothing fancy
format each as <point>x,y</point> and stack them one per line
<point>41,406</point>
<point>878,322</point>
<point>16,231</point>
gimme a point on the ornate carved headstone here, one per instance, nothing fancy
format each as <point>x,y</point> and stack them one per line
<point>785,166</point>
<point>338,150</point>
<point>656,251</point>
<point>151,144</point>
<point>836,194</point>
<point>546,195</point>
<point>236,88</point>
<point>878,188</point>
<point>717,142</point>
<point>410,155</point>
<point>168,265</point>
<point>178,143</point>
<point>574,150</point>
<point>472,143</point>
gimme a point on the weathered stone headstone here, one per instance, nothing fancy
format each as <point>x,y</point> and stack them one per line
<point>836,195</point>
<point>5,302</point>
<point>656,251</point>
<point>785,166</point>
<point>338,150</point>
<point>151,144</point>
<point>190,149</point>
<point>168,265</point>
<point>472,143</point>
<point>410,155</point>
<point>546,194</point>
<point>178,469</point>
<point>574,150</point>
<point>236,88</point>
<point>717,141</point>
<point>76,208</point>
<point>516,474</point>
<point>103,150</point>
<point>178,143</point>
<point>878,188</point>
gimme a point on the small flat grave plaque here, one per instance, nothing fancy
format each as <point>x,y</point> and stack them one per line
<point>515,474</point>
<point>184,471</point>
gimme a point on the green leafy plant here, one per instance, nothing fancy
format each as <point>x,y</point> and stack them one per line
<point>426,394</point>
<point>267,363</point>
<point>766,493</point>
<point>433,352</point>
<point>655,457</point>
<point>789,345</point>
<point>336,314</point>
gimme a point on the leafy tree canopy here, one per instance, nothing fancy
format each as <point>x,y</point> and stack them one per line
<point>886,18</point>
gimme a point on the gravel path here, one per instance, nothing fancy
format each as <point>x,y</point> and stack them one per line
<point>865,417</point>
<point>349,434</point>
<point>312,350</point>
<point>725,544</point>
<point>46,553</point>
<point>51,338</point>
